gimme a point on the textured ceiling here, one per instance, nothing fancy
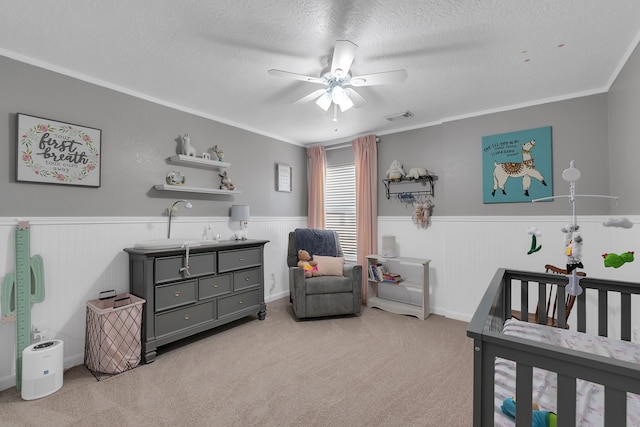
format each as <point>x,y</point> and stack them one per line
<point>211,57</point>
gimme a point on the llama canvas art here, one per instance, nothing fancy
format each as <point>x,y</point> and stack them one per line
<point>516,166</point>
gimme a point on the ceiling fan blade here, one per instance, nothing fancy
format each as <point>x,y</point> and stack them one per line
<point>355,97</point>
<point>311,96</point>
<point>387,77</point>
<point>343,55</point>
<point>296,76</point>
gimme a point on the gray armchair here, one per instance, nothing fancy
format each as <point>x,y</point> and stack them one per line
<point>323,295</point>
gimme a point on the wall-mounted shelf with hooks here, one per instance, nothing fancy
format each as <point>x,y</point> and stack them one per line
<point>425,181</point>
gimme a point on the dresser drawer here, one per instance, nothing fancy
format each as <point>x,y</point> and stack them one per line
<point>239,258</point>
<point>175,295</point>
<point>246,278</point>
<point>209,287</point>
<point>168,268</point>
<point>231,304</point>
<point>183,318</point>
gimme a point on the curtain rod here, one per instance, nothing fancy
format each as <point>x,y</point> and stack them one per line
<point>345,145</point>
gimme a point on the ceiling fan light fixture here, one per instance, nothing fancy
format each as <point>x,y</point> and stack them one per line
<point>324,101</point>
<point>338,95</point>
<point>346,104</point>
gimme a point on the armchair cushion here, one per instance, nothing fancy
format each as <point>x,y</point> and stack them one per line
<point>329,265</point>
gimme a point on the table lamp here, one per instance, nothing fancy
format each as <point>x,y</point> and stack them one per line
<point>240,213</point>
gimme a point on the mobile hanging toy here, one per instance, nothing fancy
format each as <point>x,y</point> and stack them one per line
<point>572,237</point>
<point>534,231</point>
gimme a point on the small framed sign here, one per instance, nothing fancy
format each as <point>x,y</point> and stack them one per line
<point>55,152</point>
<point>283,177</point>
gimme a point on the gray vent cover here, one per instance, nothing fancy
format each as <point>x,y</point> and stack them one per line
<point>400,116</point>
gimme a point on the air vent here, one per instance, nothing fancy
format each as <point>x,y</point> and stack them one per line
<point>400,116</point>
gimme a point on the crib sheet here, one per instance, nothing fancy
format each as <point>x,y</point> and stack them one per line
<point>589,396</point>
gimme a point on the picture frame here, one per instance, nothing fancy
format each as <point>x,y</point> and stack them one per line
<point>517,166</point>
<point>283,177</point>
<point>53,152</point>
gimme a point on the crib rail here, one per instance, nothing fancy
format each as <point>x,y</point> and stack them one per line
<point>485,328</point>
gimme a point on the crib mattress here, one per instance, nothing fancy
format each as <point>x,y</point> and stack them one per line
<point>589,396</point>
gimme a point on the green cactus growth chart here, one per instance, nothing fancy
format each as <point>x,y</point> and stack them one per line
<point>20,290</point>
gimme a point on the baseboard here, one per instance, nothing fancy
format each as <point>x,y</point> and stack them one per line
<point>277,296</point>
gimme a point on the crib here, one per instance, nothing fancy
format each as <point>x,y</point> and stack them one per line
<point>605,306</point>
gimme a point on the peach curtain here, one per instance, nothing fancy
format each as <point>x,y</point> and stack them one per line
<point>366,156</point>
<point>317,164</point>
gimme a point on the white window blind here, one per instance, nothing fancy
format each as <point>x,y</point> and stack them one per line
<point>340,206</point>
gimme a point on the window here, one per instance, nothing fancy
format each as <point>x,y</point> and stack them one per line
<point>340,206</point>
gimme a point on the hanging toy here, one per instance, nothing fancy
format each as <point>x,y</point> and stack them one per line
<point>617,221</point>
<point>534,231</point>
<point>421,213</point>
<point>616,261</point>
<point>573,247</point>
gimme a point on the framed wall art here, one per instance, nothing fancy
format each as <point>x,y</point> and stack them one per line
<point>55,152</point>
<point>516,166</point>
<point>283,177</point>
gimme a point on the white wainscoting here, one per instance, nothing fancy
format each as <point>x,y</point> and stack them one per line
<point>83,256</point>
<point>465,252</point>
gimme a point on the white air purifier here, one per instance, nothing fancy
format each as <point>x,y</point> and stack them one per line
<point>42,369</point>
<point>389,246</point>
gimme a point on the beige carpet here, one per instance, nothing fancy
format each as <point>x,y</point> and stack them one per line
<point>378,369</point>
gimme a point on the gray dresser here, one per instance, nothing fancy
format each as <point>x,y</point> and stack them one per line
<point>225,282</point>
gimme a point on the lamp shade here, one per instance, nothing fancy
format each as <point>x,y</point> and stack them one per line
<point>240,213</point>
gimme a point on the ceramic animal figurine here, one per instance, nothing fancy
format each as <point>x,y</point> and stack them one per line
<point>187,148</point>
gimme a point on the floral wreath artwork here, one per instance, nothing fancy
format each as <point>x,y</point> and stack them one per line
<point>57,153</point>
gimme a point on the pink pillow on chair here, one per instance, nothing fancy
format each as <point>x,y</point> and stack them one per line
<point>329,265</point>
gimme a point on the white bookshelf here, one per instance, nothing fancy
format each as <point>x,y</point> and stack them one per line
<point>409,297</point>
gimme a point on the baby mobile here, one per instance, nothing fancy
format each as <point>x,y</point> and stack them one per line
<point>573,238</point>
<point>420,200</point>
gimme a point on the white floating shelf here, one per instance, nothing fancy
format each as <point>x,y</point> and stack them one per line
<point>199,162</point>
<point>187,189</point>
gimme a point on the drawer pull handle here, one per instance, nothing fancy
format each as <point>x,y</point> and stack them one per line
<point>215,285</point>
<point>240,259</point>
<point>239,301</point>
<point>246,279</point>
<point>187,316</point>
<point>177,294</point>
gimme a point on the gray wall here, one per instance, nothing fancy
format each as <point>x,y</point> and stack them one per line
<point>624,136</point>
<point>137,138</point>
<point>452,151</point>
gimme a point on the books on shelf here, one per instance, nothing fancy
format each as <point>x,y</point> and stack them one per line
<point>378,273</point>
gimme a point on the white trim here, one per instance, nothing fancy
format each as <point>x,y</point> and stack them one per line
<point>98,82</point>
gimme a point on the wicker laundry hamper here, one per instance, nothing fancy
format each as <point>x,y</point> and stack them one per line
<point>113,343</point>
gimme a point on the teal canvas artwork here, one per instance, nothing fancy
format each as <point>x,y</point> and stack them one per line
<point>516,166</point>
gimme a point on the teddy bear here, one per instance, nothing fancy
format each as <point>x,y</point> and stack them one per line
<point>225,183</point>
<point>395,171</point>
<point>305,263</point>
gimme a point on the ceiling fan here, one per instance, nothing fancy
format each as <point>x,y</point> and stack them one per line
<point>337,82</point>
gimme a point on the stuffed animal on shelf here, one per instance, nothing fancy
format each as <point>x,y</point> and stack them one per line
<point>416,173</point>
<point>395,171</point>
<point>225,183</point>
<point>305,263</point>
